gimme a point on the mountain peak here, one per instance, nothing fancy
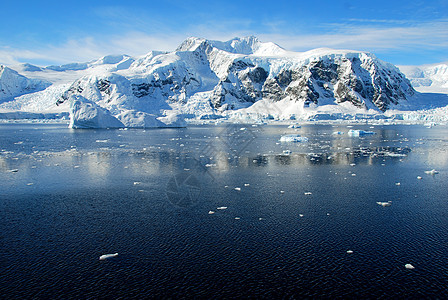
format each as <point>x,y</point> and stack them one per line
<point>248,45</point>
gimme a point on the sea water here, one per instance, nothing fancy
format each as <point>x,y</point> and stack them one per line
<point>223,211</point>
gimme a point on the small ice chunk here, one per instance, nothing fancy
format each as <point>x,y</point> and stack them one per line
<point>222,207</point>
<point>409,266</point>
<point>107,256</point>
<point>237,189</point>
<point>293,138</point>
<point>384,204</point>
<point>432,172</point>
<point>354,132</point>
<point>349,251</point>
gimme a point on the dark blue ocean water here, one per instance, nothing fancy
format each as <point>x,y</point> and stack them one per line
<point>69,196</point>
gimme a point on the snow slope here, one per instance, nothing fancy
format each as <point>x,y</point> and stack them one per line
<point>428,78</point>
<point>12,84</point>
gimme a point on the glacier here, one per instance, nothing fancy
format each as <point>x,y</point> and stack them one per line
<point>242,80</point>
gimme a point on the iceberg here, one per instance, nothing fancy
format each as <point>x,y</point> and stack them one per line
<point>293,138</point>
<point>87,114</point>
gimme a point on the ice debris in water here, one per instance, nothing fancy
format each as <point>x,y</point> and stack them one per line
<point>107,256</point>
<point>293,138</point>
<point>353,132</point>
<point>384,204</point>
<point>409,266</point>
<point>432,172</point>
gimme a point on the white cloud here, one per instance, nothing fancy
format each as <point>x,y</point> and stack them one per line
<point>363,35</point>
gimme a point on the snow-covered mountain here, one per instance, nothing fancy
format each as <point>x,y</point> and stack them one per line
<point>205,78</point>
<point>428,78</point>
<point>12,84</point>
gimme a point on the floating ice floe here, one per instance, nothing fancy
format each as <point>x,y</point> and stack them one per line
<point>384,204</point>
<point>293,138</point>
<point>107,256</point>
<point>409,266</point>
<point>354,132</point>
<point>432,172</point>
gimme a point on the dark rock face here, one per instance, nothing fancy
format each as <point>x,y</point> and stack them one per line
<point>341,79</point>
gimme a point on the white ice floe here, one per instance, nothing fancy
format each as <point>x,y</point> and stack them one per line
<point>354,132</point>
<point>384,204</point>
<point>409,266</point>
<point>107,256</point>
<point>432,172</point>
<point>293,138</point>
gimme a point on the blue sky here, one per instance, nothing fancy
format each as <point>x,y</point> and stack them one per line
<point>56,32</point>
